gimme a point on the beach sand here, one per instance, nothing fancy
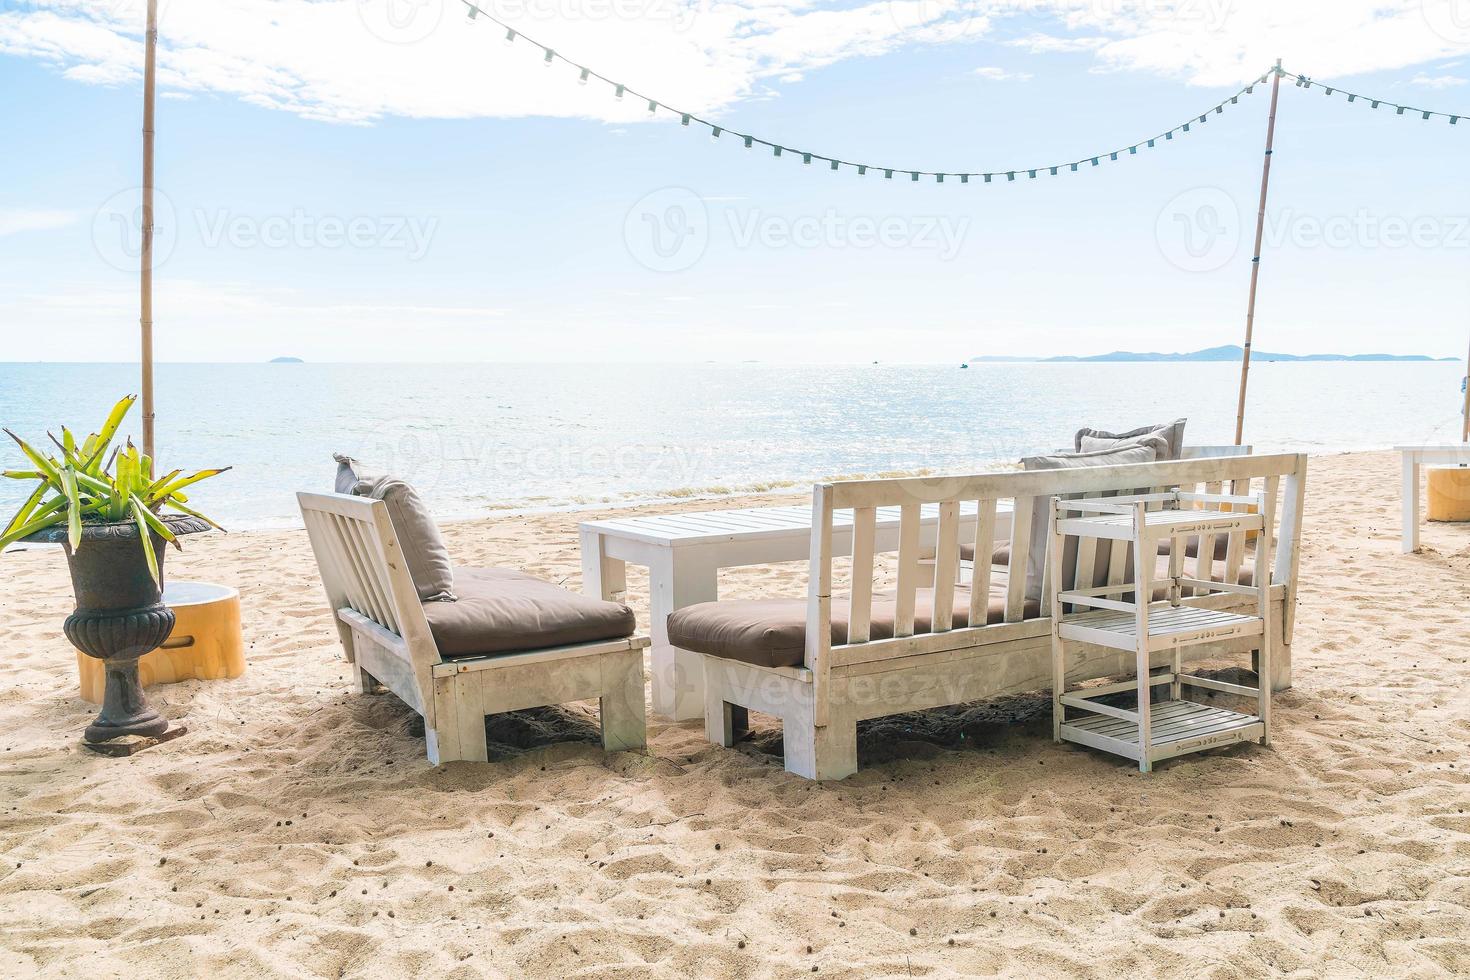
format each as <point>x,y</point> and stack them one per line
<point>298,830</point>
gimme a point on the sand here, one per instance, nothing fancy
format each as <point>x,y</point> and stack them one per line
<point>297,830</point>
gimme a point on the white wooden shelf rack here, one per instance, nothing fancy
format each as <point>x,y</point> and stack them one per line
<point>1132,616</point>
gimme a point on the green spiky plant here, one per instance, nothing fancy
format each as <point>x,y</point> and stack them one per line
<point>96,482</point>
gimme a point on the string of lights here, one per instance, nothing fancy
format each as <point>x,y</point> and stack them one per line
<point>621,91</point>
<point>1307,82</point>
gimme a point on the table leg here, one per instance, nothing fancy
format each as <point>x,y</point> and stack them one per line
<point>1411,504</point>
<point>602,577</point>
<point>676,580</point>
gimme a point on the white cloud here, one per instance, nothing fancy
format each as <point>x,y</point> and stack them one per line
<point>1437,81</point>
<point>1048,44</point>
<point>357,61</point>
<point>15,221</point>
<point>1001,75</point>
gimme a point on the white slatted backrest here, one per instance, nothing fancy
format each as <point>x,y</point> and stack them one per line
<point>362,566</point>
<point>1281,475</point>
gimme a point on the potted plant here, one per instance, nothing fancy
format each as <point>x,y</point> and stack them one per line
<point>106,508</point>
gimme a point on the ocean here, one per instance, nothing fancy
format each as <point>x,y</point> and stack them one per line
<point>483,438</point>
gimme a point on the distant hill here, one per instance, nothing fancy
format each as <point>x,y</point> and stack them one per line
<point>1228,352</point>
<point>287,360</point>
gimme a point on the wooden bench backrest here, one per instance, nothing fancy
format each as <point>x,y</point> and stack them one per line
<point>363,569</point>
<point>1280,477</point>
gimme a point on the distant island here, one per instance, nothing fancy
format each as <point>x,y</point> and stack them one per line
<point>286,360</point>
<point>1228,352</point>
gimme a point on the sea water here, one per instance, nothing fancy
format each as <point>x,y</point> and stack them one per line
<point>482,438</point>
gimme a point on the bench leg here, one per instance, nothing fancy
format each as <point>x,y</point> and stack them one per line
<point>1281,667</point>
<point>458,732</point>
<point>624,717</point>
<point>829,752</point>
<point>725,723</point>
<point>366,682</point>
<point>442,746</point>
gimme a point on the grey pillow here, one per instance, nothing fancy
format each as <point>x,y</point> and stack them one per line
<point>350,472</point>
<point>1095,440</point>
<point>1145,450</point>
<point>418,535</point>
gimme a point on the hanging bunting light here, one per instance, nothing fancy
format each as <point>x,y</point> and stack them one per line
<point>619,90</point>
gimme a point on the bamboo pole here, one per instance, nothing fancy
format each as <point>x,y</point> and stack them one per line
<point>1250,310</point>
<point>145,319</point>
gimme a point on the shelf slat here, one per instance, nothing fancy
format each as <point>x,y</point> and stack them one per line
<point>1176,727</point>
<point>1168,627</point>
<point>1161,523</point>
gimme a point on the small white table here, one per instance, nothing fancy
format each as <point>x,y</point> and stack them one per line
<point>1415,459</point>
<point>684,553</point>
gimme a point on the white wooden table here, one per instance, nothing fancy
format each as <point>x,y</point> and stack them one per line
<point>1415,459</point>
<point>684,553</point>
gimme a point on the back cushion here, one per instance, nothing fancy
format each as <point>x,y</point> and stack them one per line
<point>1172,433</point>
<point>1143,450</point>
<point>418,535</point>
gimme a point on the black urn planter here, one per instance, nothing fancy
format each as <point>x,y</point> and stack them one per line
<point>120,616</point>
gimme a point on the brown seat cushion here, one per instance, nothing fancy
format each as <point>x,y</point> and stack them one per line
<point>1001,556</point>
<point>500,610</point>
<point>772,632</point>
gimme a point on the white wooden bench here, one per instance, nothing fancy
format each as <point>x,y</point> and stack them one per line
<point>821,700</point>
<point>386,635</point>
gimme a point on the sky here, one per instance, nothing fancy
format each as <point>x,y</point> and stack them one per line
<point>388,180</point>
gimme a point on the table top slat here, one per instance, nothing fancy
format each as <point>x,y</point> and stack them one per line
<point>751,523</point>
